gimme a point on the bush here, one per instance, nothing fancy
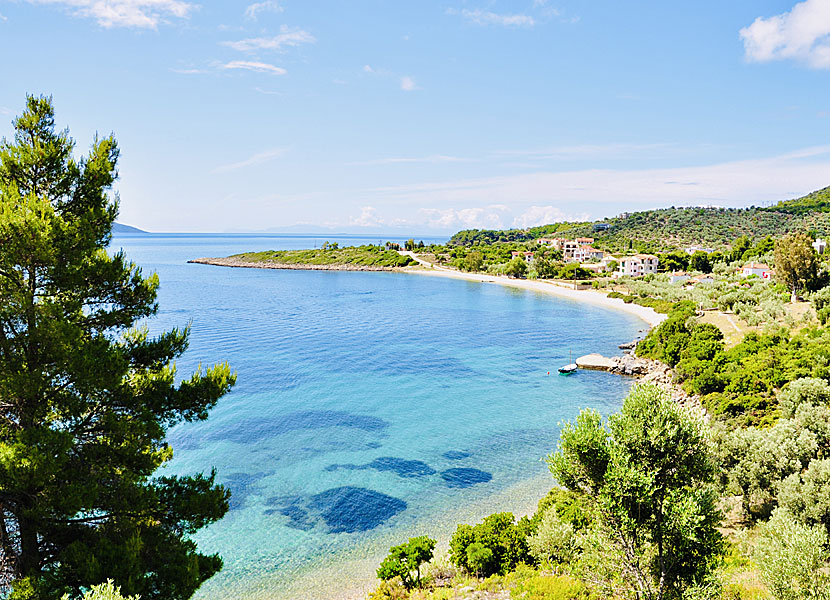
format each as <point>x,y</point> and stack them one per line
<point>808,389</point>
<point>553,542</point>
<point>543,587</point>
<point>405,559</point>
<point>791,557</point>
<point>501,535</point>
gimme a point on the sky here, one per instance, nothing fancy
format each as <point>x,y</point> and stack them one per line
<point>425,116</point>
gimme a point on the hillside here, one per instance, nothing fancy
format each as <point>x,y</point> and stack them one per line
<point>121,228</point>
<point>666,228</point>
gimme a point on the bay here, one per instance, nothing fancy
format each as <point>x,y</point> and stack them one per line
<point>370,407</point>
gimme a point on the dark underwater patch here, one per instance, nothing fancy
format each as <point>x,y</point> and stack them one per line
<point>350,509</point>
<point>465,477</point>
<point>400,466</point>
<point>456,454</point>
<point>241,486</point>
<point>253,430</point>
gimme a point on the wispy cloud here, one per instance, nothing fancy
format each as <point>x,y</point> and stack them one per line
<point>5,111</point>
<point>287,38</point>
<point>431,159</point>
<point>256,159</point>
<point>408,84</point>
<point>254,9</point>
<point>583,151</point>
<point>3,17</point>
<point>486,17</point>
<point>268,92</point>
<point>802,34</point>
<point>145,14</point>
<point>731,183</point>
<point>194,71</point>
<point>259,67</point>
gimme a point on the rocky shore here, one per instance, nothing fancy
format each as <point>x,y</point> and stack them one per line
<point>235,262</point>
<point>647,370</point>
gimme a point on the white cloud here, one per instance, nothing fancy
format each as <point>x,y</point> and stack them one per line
<point>287,38</point>
<point>125,13</point>
<point>489,217</point>
<point>256,159</point>
<point>368,218</point>
<point>259,67</point>
<point>257,7</point>
<point>544,215</point>
<point>408,84</point>
<point>485,17</point>
<point>606,191</point>
<point>802,34</point>
<point>368,69</point>
<point>5,111</point>
<point>3,17</point>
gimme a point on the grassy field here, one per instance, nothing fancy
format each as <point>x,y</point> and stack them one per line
<point>366,256</point>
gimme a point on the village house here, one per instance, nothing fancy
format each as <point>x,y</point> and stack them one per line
<point>586,254</point>
<point>527,256</point>
<point>678,277</point>
<point>820,246</point>
<point>761,270</point>
<point>637,265</point>
<point>692,249</point>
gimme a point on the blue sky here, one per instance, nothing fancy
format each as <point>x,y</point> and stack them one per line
<point>426,116</point>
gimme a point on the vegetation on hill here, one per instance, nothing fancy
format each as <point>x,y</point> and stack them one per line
<point>332,254</point>
<point>667,228</point>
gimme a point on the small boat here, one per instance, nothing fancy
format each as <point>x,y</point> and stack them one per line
<point>568,369</point>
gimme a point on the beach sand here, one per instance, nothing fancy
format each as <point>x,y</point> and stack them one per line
<point>597,298</point>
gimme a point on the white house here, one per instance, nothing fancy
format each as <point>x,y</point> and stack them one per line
<point>678,277</point>
<point>586,254</point>
<point>692,249</point>
<point>637,265</point>
<point>762,270</point>
<point>527,256</point>
<point>820,246</point>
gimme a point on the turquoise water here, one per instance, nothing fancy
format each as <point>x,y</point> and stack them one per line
<point>370,407</point>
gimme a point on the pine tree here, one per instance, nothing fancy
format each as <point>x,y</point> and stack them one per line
<point>86,396</point>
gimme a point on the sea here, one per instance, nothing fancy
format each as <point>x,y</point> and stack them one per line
<point>370,407</point>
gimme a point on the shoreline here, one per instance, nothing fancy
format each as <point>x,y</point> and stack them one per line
<point>593,297</point>
<point>242,264</point>
<point>649,315</point>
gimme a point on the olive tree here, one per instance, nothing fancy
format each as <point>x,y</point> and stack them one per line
<point>648,472</point>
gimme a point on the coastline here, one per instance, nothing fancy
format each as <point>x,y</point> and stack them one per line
<point>596,298</point>
<point>242,264</point>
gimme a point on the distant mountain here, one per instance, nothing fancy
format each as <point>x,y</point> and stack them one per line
<point>121,228</point>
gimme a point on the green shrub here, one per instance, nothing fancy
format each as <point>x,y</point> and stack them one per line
<point>554,541</point>
<point>791,557</point>
<point>546,587</point>
<point>501,535</point>
<point>406,558</point>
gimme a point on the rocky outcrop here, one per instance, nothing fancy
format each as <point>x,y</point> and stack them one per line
<point>652,371</point>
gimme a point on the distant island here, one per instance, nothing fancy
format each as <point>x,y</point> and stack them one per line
<point>330,257</point>
<point>121,228</point>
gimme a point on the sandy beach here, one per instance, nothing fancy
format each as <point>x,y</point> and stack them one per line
<point>597,298</point>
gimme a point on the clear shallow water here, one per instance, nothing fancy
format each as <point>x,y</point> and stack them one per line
<point>370,407</point>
